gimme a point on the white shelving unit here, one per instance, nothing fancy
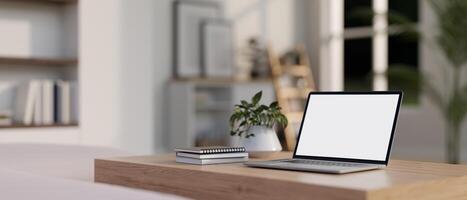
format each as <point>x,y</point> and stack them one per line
<point>58,135</point>
<point>200,109</point>
<point>39,41</point>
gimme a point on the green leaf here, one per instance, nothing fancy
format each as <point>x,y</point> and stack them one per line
<point>240,133</point>
<point>263,107</point>
<point>234,116</point>
<point>243,123</point>
<point>274,104</point>
<point>255,100</point>
<point>285,121</point>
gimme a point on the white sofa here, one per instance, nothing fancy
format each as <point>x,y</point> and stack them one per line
<point>47,171</point>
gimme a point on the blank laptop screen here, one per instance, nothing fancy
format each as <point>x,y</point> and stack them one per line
<point>352,126</point>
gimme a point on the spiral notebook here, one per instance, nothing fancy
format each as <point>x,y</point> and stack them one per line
<point>211,150</point>
<point>209,161</point>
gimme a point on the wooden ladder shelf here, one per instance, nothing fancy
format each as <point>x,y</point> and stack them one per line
<point>292,84</point>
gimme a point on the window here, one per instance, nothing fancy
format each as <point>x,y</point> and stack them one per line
<point>350,19</point>
<point>370,52</point>
<point>403,53</point>
<point>358,64</point>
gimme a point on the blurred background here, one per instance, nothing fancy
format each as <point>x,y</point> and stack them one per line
<point>146,76</point>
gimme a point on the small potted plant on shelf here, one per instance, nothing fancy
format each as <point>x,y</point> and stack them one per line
<point>252,126</point>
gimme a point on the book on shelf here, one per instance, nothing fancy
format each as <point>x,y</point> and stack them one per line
<point>64,104</point>
<point>38,105</point>
<point>74,102</point>
<point>26,101</point>
<point>5,118</point>
<point>46,102</point>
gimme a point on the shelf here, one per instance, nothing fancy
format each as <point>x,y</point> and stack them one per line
<point>220,81</point>
<point>213,109</point>
<point>57,1</point>
<point>38,126</point>
<point>46,1</point>
<point>38,61</point>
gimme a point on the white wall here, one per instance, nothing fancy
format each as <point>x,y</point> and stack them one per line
<point>145,70</point>
<point>260,18</point>
<point>125,63</point>
<point>99,54</point>
<point>282,23</point>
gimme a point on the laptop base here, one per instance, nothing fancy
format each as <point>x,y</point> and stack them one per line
<point>286,165</point>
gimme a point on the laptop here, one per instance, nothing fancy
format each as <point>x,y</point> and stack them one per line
<point>343,132</point>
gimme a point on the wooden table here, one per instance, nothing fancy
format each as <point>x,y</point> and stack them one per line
<point>401,180</point>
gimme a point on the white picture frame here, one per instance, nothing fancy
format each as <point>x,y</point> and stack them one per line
<point>188,16</point>
<point>217,48</point>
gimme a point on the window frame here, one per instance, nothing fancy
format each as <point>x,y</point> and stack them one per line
<point>333,25</point>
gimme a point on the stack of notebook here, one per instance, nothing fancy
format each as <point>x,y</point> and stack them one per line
<point>211,155</point>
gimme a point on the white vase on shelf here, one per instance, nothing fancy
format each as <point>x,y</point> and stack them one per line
<point>264,143</point>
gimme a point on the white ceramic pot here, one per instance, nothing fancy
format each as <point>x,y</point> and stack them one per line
<point>265,143</point>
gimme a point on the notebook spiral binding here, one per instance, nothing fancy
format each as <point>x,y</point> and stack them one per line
<point>222,150</point>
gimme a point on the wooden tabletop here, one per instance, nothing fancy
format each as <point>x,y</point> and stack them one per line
<point>400,180</point>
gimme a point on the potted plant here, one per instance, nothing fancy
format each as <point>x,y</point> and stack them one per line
<point>252,126</point>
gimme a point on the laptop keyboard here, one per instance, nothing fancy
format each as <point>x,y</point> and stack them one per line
<point>324,163</point>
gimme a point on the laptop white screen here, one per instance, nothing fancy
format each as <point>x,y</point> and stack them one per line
<point>353,126</point>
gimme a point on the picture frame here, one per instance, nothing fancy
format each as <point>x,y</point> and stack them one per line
<point>217,49</point>
<point>187,18</point>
